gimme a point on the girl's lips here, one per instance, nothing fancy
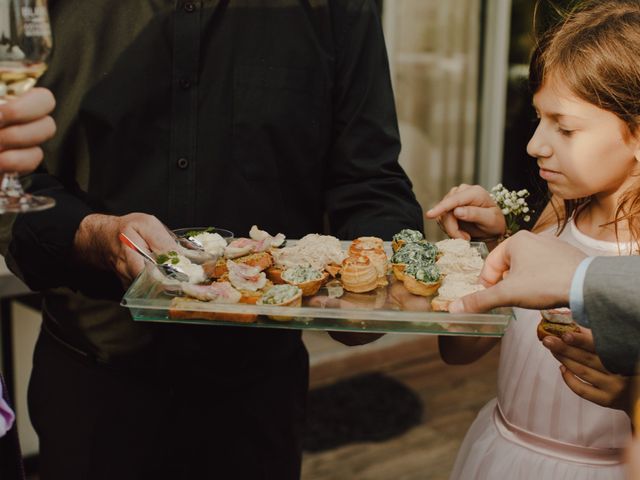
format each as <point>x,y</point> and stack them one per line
<point>548,174</point>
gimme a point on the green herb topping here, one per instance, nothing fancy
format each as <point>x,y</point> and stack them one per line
<point>420,252</point>
<point>279,294</point>
<point>301,274</point>
<point>409,236</point>
<point>427,273</point>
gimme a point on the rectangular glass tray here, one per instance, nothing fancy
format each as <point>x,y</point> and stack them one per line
<point>390,309</point>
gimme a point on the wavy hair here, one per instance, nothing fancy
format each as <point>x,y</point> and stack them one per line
<point>594,46</point>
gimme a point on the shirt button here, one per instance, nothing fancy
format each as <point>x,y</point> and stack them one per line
<point>183,163</point>
<point>184,83</point>
<point>189,7</point>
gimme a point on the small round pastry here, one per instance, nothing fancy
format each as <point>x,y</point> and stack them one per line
<point>365,243</point>
<point>422,279</point>
<point>405,236</point>
<point>378,258</point>
<point>305,277</point>
<point>358,274</point>
<point>423,253</point>
<point>282,296</point>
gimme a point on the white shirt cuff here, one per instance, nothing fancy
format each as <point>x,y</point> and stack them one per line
<point>576,295</point>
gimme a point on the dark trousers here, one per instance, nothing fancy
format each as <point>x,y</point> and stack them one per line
<point>96,422</point>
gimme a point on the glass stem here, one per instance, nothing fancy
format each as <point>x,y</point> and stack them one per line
<point>11,186</point>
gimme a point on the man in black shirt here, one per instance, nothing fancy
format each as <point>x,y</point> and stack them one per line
<point>194,113</point>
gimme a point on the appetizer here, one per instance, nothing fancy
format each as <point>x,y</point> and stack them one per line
<point>405,236</point>
<point>421,278</point>
<point>419,252</point>
<point>458,256</point>
<point>358,274</point>
<point>193,271</point>
<point>454,286</point>
<point>556,322</point>
<point>307,278</point>
<point>282,296</point>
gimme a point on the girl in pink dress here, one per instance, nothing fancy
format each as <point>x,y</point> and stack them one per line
<point>585,75</point>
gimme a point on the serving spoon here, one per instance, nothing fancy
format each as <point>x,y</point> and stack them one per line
<point>166,269</point>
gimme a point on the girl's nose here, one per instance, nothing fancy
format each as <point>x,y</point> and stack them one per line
<point>538,147</point>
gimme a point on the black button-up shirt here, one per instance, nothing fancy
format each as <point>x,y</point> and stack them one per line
<point>210,112</point>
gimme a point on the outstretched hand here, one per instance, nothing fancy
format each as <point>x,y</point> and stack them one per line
<point>583,372</point>
<point>468,211</point>
<point>526,270</point>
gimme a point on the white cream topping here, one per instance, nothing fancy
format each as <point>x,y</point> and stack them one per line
<point>212,243</point>
<point>313,249</point>
<point>455,286</point>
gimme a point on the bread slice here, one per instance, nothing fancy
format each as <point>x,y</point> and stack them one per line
<point>262,260</point>
<point>439,304</point>
<point>178,310</point>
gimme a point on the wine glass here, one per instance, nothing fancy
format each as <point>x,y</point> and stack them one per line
<point>25,43</point>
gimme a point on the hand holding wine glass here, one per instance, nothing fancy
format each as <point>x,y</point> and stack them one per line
<point>25,43</point>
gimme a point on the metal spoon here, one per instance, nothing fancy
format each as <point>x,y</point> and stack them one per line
<point>167,269</point>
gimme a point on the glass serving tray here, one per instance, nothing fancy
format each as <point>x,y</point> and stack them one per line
<point>390,309</point>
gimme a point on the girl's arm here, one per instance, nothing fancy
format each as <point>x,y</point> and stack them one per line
<point>464,350</point>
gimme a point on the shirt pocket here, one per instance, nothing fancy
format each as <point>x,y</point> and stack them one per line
<point>276,121</point>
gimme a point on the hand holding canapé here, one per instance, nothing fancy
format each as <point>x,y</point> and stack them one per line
<point>526,270</point>
<point>96,242</point>
<point>25,123</point>
<point>467,212</point>
<point>584,373</point>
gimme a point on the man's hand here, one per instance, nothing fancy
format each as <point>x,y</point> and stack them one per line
<point>584,373</point>
<point>25,124</point>
<point>537,272</point>
<point>96,242</point>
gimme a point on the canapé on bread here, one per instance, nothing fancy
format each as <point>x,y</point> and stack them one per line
<point>179,309</point>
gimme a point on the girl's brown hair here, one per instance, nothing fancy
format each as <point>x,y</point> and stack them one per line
<point>595,49</point>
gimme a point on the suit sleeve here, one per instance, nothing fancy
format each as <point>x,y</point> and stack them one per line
<point>612,306</point>
<point>368,193</point>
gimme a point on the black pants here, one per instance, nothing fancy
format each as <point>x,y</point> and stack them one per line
<point>95,422</point>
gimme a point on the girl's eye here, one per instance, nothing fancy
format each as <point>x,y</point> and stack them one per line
<point>565,133</point>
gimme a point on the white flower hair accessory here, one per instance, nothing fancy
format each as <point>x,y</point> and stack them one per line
<point>513,205</point>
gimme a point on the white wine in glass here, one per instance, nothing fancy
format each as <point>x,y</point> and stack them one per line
<point>25,44</point>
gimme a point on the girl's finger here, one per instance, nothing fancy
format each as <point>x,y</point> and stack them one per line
<point>582,339</point>
<point>451,227</point>
<point>584,357</point>
<point>584,390</point>
<point>483,217</point>
<point>587,373</point>
<point>462,197</point>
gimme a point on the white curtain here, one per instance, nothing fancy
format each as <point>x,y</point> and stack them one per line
<point>434,51</point>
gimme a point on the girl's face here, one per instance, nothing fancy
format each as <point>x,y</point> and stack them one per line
<point>581,149</point>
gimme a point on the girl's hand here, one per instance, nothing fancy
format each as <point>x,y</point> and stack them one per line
<point>584,373</point>
<point>467,212</point>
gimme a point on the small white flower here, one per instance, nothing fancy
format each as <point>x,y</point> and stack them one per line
<point>527,218</point>
<point>505,211</point>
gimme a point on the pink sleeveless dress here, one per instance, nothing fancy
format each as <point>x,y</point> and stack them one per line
<point>538,428</point>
